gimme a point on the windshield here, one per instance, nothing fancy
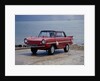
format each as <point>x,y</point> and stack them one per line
<point>46,34</point>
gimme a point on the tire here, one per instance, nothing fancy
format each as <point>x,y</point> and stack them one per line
<point>66,49</point>
<point>33,50</point>
<point>51,50</point>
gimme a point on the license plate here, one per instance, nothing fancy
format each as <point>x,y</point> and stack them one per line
<point>34,45</point>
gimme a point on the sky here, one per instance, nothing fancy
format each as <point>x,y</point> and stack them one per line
<point>48,17</point>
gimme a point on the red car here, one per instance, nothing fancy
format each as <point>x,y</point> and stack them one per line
<point>49,40</point>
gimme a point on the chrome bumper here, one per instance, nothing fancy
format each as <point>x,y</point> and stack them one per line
<point>35,46</point>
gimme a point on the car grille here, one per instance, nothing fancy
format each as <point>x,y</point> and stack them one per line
<point>34,43</point>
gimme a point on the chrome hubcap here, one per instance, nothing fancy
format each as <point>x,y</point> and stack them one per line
<point>52,49</point>
<point>67,47</point>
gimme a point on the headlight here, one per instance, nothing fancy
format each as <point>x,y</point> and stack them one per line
<point>43,41</point>
<point>25,40</point>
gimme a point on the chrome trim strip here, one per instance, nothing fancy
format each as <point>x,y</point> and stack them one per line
<point>51,42</point>
<point>58,42</point>
<point>64,41</point>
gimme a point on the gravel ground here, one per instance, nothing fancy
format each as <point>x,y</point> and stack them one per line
<point>73,57</point>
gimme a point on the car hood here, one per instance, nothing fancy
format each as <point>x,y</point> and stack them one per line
<point>37,38</point>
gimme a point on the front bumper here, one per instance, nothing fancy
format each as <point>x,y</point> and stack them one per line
<point>36,46</point>
<point>41,47</point>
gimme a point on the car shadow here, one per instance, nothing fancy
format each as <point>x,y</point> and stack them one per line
<point>40,54</point>
<point>26,54</point>
<point>43,53</point>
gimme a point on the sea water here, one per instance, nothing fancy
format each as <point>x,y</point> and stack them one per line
<point>73,28</point>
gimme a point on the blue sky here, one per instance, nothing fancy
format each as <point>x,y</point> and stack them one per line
<point>47,17</point>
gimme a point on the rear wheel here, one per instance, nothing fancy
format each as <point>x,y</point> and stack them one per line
<point>51,50</point>
<point>66,49</point>
<point>33,50</point>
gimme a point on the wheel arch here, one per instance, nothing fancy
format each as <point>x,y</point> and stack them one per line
<point>54,45</point>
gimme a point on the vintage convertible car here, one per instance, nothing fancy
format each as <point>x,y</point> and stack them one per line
<point>49,40</point>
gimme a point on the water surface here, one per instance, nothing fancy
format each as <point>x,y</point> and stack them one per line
<point>32,28</point>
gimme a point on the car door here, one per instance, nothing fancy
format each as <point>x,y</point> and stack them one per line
<point>60,39</point>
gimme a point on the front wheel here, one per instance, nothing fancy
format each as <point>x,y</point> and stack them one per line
<point>66,49</point>
<point>33,50</point>
<point>51,50</point>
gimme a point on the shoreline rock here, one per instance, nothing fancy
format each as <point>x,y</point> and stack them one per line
<point>77,47</point>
